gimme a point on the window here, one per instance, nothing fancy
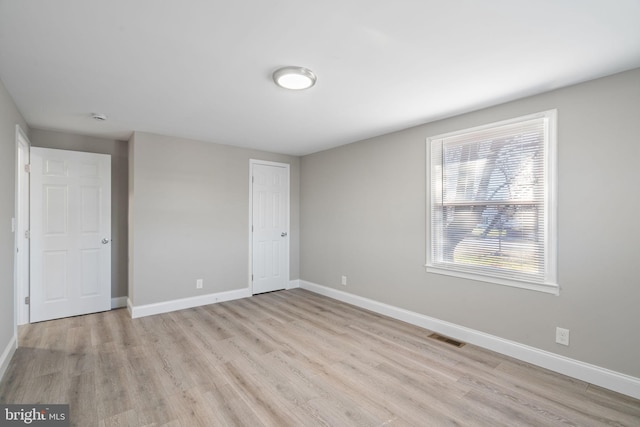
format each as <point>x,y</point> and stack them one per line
<point>491,203</point>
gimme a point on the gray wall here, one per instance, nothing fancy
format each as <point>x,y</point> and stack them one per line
<point>119,191</point>
<point>363,216</point>
<point>9,117</point>
<point>189,213</point>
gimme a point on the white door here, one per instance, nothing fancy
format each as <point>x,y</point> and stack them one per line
<point>70,233</point>
<point>270,220</point>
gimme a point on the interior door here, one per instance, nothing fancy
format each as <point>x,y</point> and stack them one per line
<point>270,225</point>
<point>70,233</point>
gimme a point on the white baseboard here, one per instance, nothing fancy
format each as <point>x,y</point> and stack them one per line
<point>602,377</point>
<point>118,302</point>
<point>180,304</point>
<point>295,283</point>
<point>7,354</point>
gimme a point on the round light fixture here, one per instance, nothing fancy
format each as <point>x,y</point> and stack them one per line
<point>294,78</point>
<point>98,116</point>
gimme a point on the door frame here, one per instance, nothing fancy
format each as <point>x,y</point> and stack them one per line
<point>21,267</point>
<point>287,167</point>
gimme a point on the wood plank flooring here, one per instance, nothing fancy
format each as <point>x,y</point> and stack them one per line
<point>289,358</point>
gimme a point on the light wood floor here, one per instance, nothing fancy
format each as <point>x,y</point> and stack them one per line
<point>289,358</point>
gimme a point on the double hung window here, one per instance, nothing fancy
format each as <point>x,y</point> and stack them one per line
<point>492,203</point>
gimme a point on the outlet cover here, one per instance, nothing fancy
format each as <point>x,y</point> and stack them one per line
<point>344,280</point>
<point>562,336</point>
<point>199,284</point>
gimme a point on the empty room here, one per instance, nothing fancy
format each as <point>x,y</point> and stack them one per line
<point>338,213</point>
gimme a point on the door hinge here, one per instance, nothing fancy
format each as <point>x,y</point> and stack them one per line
<point>27,234</point>
<point>27,168</point>
<point>27,300</point>
<point>253,179</point>
<point>252,277</point>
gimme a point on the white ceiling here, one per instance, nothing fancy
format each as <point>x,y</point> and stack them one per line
<point>202,69</point>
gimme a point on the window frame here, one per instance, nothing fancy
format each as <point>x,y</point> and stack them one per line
<point>550,284</point>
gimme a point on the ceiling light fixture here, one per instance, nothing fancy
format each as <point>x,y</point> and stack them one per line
<point>294,78</point>
<point>99,117</point>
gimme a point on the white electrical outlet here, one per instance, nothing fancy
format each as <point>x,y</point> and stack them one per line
<point>199,284</point>
<point>562,336</point>
<point>344,280</point>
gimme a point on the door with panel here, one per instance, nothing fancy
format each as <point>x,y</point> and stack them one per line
<point>70,233</point>
<point>270,226</point>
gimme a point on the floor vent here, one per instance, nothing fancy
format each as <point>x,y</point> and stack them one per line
<point>446,339</point>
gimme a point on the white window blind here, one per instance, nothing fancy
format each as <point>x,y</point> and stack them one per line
<point>491,204</point>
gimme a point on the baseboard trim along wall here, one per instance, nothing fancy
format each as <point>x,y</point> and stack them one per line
<point>295,283</point>
<point>7,354</point>
<point>181,304</point>
<point>596,375</point>
<point>118,302</point>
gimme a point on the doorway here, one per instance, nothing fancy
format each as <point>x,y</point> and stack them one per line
<point>269,226</point>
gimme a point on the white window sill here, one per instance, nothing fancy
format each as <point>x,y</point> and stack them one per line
<point>549,288</point>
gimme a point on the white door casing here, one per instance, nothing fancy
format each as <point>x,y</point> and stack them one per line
<point>70,233</point>
<point>22,226</point>
<point>270,226</point>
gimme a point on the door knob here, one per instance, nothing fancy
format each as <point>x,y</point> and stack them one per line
<point>105,241</point>
<point>283,234</point>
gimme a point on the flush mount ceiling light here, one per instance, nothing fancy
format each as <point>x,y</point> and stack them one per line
<point>98,116</point>
<point>294,78</point>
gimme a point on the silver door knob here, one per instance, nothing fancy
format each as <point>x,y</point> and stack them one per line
<point>105,241</point>
<point>284,234</point>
